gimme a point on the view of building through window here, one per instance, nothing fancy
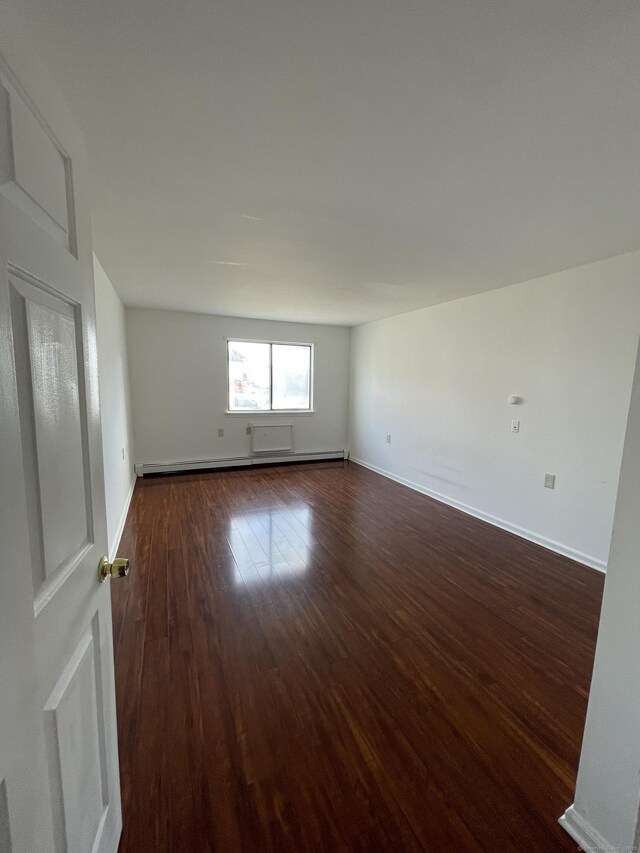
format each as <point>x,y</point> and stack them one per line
<point>268,376</point>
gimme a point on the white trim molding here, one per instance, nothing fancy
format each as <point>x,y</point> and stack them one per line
<point>123,520</point>
<point>522,532</point>
<point>583,833</point>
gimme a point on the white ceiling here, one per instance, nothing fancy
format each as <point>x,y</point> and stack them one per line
<point>344,160</point>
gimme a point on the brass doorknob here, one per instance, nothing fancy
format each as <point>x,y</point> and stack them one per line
<point>118,569</point>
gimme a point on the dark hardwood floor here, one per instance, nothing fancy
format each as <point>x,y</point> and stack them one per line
<point>318,659</point>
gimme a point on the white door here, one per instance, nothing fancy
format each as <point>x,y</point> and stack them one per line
<point>59,786</point>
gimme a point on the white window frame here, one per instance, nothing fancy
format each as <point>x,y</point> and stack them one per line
<point>271,410</point>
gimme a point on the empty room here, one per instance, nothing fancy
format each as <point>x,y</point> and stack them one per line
<point>319,426</point>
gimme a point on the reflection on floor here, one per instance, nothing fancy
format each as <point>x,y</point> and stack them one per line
<point>270,545</point>
<point>314,658</point>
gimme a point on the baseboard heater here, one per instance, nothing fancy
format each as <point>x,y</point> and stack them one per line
<point>263,458</point>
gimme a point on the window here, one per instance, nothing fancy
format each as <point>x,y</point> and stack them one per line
<point>269,377</point>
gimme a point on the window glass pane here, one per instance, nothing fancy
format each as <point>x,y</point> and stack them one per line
<point>248,376</point>
<point>291,376</point>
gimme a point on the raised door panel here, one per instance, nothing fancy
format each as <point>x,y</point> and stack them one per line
<point>48,341</point>
<point>35,172</point>
<point>58,431</point>
<point>76,750</point>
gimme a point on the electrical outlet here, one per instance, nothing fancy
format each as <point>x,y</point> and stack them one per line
<point>549,481</point>
<point>248,430</point>
<point>389,439</point>
<point>515,426</point>
<point>220,433</point>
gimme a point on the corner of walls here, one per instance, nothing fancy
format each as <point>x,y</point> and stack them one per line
<point>349,375</point>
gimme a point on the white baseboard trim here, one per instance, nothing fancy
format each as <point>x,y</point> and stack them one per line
<point>582,832</point>
<point>550,544</point>
<point>123,520</point>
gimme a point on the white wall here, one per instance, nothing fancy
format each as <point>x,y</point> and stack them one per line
<point>115,404</point>
<point>605,813</point>
<point>179,385</point>
<point>438,380</point>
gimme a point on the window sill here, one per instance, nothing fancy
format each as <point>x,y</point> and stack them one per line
<point>255,413</point>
